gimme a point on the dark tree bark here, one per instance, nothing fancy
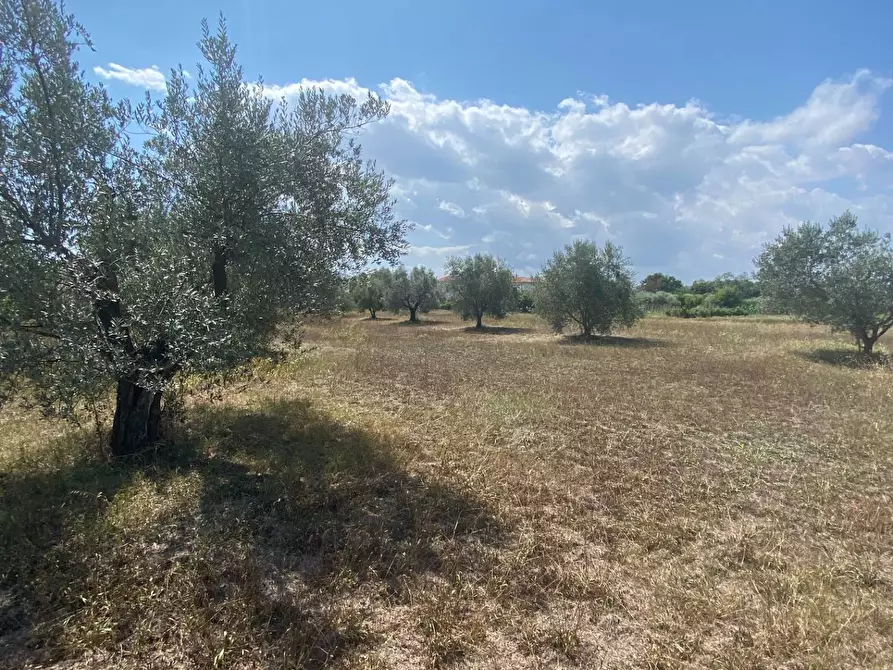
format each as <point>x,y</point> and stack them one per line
<point>867,344</point>
<point>372,314</point>
<point>218,272</point>
<point>137,422</point>
<point>137,410</point>
<point>480,323</point>
<point>412,317</point>
<point>866,339</point>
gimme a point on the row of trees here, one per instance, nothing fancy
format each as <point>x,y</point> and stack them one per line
<point>727,295</point>
<point>415,290</point>
<point>838,275</point>
<point>129,267</point>
<point>582,285</point>
<point>743,284</point>
<point>479,285</point>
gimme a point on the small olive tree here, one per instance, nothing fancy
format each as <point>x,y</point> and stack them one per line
<point>479,285</point>
<point>415,291</point>
<point>589,287</point>
<point>839,275</point>
<point>371,291</point>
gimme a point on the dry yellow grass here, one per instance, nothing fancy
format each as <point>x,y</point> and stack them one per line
<point>698,494</point>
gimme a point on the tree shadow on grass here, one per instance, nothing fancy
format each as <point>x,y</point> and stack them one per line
<point>420,323</point>
<point>244,538</point>
<point>847,358</point>
<point>496,330</point>
<point>613,341</point>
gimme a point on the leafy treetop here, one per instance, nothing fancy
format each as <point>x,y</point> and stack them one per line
<point>480,284</point>
<point>839,275</point>
<point>589,287</point>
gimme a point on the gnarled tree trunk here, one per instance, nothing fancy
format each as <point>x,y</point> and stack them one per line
<point>480,323</point>
<point>412,317</point>
<point>137,420</point>
<point>868,345</point>
<point>865,340</point>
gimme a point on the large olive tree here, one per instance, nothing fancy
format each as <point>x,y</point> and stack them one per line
<point>588,287</point>
<point>122,269</point>
<point>838,275</point>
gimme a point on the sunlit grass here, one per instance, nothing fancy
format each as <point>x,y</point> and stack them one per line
<point>690,493</point>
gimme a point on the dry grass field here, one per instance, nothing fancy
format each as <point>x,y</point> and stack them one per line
<point>691,494</point>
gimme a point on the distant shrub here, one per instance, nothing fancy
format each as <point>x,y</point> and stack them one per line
<point>686,304</point>
<point>743,284</point>
<point>706,310</point>
<point>446,304</point>
<point>690,300</point>
<point>702,286</point>
<point>656,301</point>
<point>524,302</point>
<point>726,301</point>
<point>727,296</point>
<point>754,305</point>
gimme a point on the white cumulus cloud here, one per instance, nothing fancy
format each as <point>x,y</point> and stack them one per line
<point>682,189</point>
<point>147,77</point>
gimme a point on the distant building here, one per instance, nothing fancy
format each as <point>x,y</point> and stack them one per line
<point>525,284</point>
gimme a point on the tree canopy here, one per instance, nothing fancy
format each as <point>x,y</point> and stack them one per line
<point>370,291</point>
<point>126,268</point>
<point>839,275</point>
<point>415,291</point>
<point>589,287</point>
<point>658,282</point>
<point>480,284</point>
<point>742,284</point>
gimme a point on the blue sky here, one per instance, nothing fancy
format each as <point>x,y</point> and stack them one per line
<point>689,133</point>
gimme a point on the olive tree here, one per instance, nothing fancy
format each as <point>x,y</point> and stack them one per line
<point>415,291</point>
<point>590,287</point>
<point>371,291</point>
<point>479,285</point>
<point>838,275</point>
<point>120,270</point>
